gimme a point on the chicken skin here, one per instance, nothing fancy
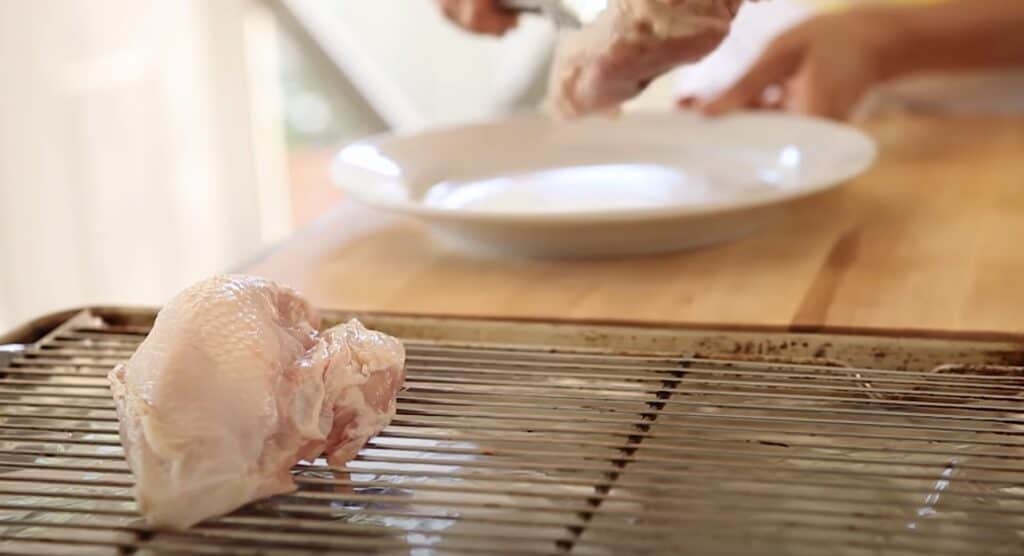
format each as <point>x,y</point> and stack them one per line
<point>632,42</point>
<point>234,385</point>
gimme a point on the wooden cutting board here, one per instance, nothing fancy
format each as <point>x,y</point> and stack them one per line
<point>931,238</point>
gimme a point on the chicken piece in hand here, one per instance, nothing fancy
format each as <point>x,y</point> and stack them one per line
<point>480,16</point>
<point>233,386</point>
<point>631,43</point>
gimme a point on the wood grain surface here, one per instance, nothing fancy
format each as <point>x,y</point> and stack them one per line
<point>931,238</point>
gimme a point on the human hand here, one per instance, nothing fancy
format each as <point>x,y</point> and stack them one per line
<point>822,67</point>
<point>480,16</point>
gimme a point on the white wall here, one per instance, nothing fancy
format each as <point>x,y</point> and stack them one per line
<point>127,158</point>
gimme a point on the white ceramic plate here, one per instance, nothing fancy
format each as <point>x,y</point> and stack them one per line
<point>641,183</point>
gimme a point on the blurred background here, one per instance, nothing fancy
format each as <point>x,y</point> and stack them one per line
<point>145,144</point>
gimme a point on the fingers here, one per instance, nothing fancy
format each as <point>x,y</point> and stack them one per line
<point>480,16</point>
<point>776,66</point>
<point>733,6</point>
<point>809,98</point>
<point>816,92</point>
<point>774,97</point>
<point>687,102</point>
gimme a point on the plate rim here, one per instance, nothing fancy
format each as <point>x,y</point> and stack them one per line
<point>418,209</point>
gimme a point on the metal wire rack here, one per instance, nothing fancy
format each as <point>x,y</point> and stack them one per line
<point>533,438</point>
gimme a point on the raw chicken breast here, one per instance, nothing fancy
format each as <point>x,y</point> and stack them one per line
<point>631,43</point>
<point>234,385</point>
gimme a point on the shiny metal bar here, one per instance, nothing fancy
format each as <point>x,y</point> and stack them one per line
<point>533,449</point>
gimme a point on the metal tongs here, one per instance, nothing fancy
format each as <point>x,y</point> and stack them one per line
<point>570,14</point>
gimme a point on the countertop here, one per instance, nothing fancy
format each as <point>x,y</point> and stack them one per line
<point>932,238</point>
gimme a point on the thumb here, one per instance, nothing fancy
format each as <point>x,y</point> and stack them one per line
<point>776,65</point>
